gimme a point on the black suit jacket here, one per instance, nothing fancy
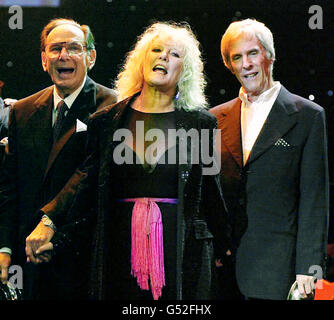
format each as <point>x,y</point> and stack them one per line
<point>279,198</point>
<point>36,168</point>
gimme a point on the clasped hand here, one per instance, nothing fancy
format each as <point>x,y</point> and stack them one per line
<point>306,285</point>
<point>38,246</point>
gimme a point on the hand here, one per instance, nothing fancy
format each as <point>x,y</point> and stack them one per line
<point>4,265</point>
<point>4,140</point>
<point>40,236</point>
<point>9,101</point>
<point>306,285</point>
<point>44,253</point>
<point>219,263</point>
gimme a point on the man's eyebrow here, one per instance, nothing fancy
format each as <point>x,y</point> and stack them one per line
<point>64,42</point>
<point>253,49</point>
<point>56,43</point>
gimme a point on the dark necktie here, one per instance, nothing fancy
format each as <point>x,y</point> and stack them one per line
<point>61,109</point>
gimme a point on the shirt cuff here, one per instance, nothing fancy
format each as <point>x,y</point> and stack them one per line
<point>6,250</point>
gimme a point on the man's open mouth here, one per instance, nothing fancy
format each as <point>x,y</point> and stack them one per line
<point>65,70</point>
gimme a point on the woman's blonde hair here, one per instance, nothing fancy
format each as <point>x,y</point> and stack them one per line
<point>191,84</point>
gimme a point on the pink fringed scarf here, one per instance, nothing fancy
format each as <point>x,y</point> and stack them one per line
<point>147,252</point>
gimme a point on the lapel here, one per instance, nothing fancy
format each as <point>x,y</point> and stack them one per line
<point>83,106</point>
<point>110,124</point>
<point>281,119</point>
<point>184,121</point>
<point>114,121</point>
<point>229,123</point>
<point>40,124</point>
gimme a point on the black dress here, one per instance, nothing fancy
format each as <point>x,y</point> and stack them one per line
<point>135,179</point>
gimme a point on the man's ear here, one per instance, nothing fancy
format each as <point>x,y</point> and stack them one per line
<point>91,58</point>
<point>44,61</point>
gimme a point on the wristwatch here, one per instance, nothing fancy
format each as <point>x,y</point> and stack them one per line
<point>48,222</point>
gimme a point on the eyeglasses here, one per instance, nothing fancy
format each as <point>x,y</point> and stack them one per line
<point>53,50</point>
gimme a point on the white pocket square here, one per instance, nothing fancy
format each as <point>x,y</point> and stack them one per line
<point>282,142</point>
<point>80,126</point>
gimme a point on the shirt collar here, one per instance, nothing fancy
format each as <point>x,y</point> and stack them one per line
<point>69,99</point>
<point>263,97</point>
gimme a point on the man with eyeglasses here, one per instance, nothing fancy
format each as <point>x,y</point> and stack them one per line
<point>47,133</point>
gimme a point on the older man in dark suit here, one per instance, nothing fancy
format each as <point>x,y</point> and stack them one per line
<point>47,134</point>
<point>274,171</point>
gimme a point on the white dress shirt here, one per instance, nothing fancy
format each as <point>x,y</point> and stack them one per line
<point>69,100</point>
<point>254,115</point>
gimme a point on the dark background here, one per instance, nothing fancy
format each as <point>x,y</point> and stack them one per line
<point>305,57</point>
